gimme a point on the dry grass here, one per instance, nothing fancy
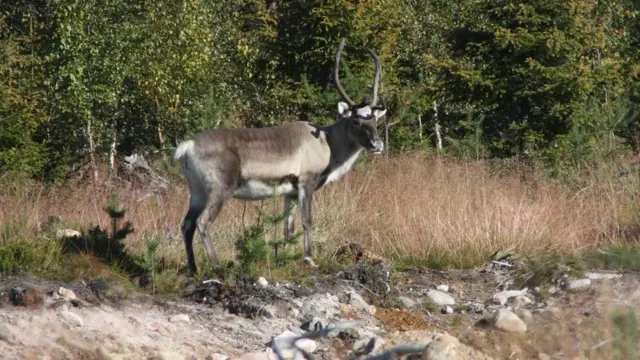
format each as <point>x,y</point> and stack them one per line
<point>410,207</point>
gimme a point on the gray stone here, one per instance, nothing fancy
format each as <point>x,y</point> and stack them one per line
<point>358,302</point>
<point>505,320</point>
<point>406,302</point>
<point>440,298</point>
<point>71,318</point>
<point>179,318</point>
<point>443,288</point>
<point>6,334</point>
<point>447,347</point>
<point>579,284</point>
<point>262,282</point>
<point>602,276</point>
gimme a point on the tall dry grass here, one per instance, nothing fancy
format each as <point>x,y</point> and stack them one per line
<point>411,207</point>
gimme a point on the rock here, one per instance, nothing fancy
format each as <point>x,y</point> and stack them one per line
<point>314,324</point>
<point>602,276</point>
<point>447,310</point>
<point>67,233</point>
<point>267,355</point>
<point>447,347</point>
<point>168,355</point>
<point>519,301</point>
<point>283,342</point>
<point>368,345</point>
<point>69,294</point>
<point>179,318</point>
<point>543,356</point>
<point>503,296</point>
<point>443,288</point>
<point>103,354</point>
<point>505,320</point>
<point>579,284</point>
<point>71,318</point>
<point>6,334</point>
<point>262,282</point>
<point>358,302</point>
<point>217,357</point>
<point>409,337</point>
<point>406,302</point>
<point>477,308</point>
<point>525,315</point>
<point>440,298</point>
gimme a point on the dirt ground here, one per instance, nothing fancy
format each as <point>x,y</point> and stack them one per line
<point>38,320</point>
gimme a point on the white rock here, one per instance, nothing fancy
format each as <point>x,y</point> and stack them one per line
<point>168,355</point>
<point>443,288</point>
<point>503,296</point>
<point>602,276</point>
<point>67,233</point>
<point>6,334</point>
<point>179,318</point>
<point>505,320</point>
<point>262,282</point>
<point>579,284</point>
<point>216,356</point>
<point>358,302</point>
<point>71,318</point>
<point>440,298</point>
<point>448,310</point>
<point>66,293</point>
<point>284,343</point>
<point>406,302</point>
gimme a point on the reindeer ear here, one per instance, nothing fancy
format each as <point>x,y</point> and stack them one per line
<point>343,109</point>
<point>379,113</point>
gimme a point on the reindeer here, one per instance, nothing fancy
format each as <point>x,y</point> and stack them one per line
<point>293,159</point>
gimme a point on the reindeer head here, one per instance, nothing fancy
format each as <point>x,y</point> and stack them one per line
<point>363,117</point>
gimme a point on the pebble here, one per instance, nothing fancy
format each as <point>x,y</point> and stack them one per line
<point>440,298</point>
<point>505,320</point>
<point>262,282</point>
<point>579,284</point>
<point>71,318</point>
<point>179,318</point>
<point>443,288</point>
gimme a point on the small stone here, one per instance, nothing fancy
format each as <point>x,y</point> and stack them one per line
<point>505,320</point>
<point>503,296</point>
<point>71,318</point>
<point>179,318</point>
<point>440,298</point>
<point>314,324</point>
<point>283,341</point>
<point>448,310</point>
<point>217,357</point>
<point>602,276</point>
<point>66,293</point>
<point>67,233</point>
<point>262,282</point>
<point>368,345</point>
<point>443,288</point>
<point>168,355</point>
<point>406,302</point>
<point>446,347</point>
<point>477,308</point>
<point>6,334</point>
<point>358,302</point>
<point>579,284</point>
<point>519,301</point>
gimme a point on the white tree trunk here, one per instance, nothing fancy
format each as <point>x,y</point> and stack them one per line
<point>436,127</point>
<point>112,151</point>
<point>420,127</point>
<point>92,149</point>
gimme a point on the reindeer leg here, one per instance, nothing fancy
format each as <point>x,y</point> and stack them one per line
<point>188,230</point>
<point>305,196</point>
<point>289,222</point>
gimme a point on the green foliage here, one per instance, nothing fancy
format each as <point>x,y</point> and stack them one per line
<point>555,81</point>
